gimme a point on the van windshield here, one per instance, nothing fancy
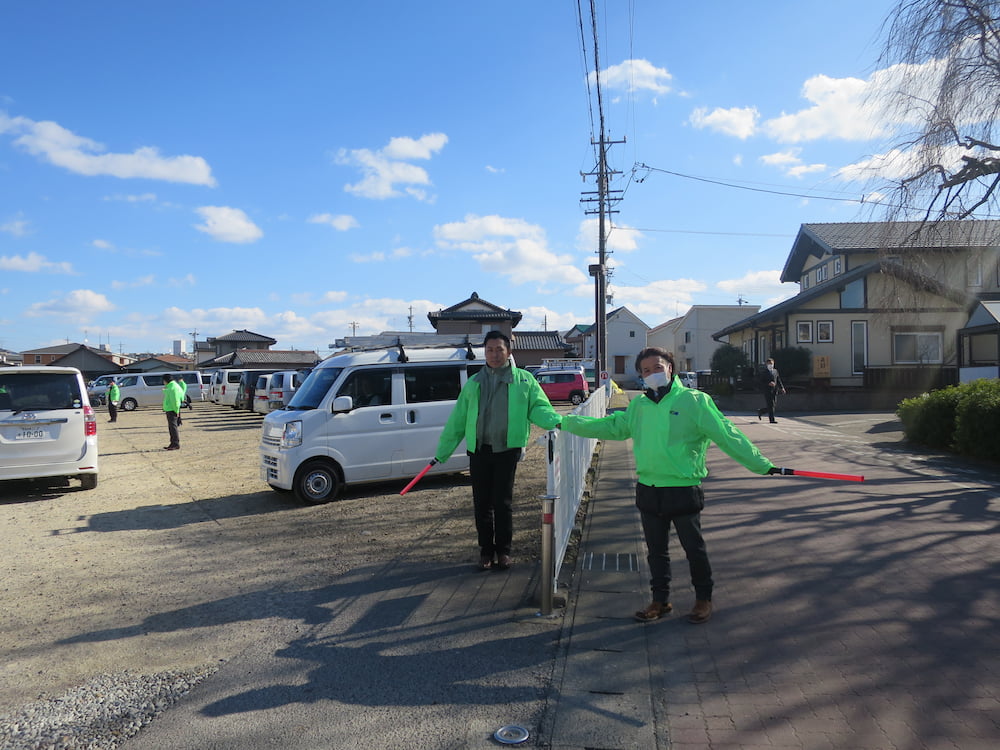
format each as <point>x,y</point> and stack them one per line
<point>310,394</point>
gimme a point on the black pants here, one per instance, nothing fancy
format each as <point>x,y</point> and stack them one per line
<point>770,398</point>
<point>175,437</point>
<point>112,411</point>
<point>493,497</point>
<point>681,506</point>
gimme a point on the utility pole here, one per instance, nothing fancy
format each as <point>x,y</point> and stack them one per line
<point>604,200</point>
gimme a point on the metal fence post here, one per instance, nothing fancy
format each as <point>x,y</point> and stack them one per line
<point>548,556</point>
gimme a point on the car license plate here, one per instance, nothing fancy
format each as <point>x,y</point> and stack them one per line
<point>31,433</point>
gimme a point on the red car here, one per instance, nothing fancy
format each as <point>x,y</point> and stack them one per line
<point>564,384</point>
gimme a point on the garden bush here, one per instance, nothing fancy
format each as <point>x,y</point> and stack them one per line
<point>929,419</point>
<point>977,420</point>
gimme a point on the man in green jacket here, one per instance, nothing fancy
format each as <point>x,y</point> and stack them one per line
<point>172,408</point>
<point>494,413</point>
<point>114,396</point>
<point>671,427</point>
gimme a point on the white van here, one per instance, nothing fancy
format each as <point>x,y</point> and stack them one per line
<point>225,386</point>
<point>283,386</point>
<point>47,426</point>
<point>146,388</point>
<point>366,417</point>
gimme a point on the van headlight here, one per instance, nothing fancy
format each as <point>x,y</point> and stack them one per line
<point>292,436</point>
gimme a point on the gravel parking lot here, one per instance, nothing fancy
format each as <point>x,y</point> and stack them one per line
<point>173,562</point>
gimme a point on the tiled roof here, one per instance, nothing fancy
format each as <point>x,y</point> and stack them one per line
<point>244,335</point>
<point>264,357</point>
<point>462,311</point>
<point>847,237</point>
<point>547,340</point>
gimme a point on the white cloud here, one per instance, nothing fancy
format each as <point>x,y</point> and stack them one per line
<point>63,148</point>
<point>657,301</point>
<point>897,164</point>
<point>740,122</point>
<point>147,280</point>
<point>621,238</point>
<point>790,163</point>
<point>228,224</point>
<point>80,304</point>
<point>102,244</point>
<point>334,296</point>
<point>34,263</point>
<point>340,222</point>
<point>389,167</point>
<point>143,198</point>
<point>510,247</point>
<point>759,287</point>
<point>635,75</point>
<point>17,227</point>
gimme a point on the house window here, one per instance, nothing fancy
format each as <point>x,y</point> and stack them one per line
<point>824,331</point>
<point>821,273</point>
<point>804,332</point>
<point>805,281</point>
<point>762,348</point>
<point>631,334</point>
<point>859,346</point>
<point>38,359</point>
<point>916,347</point>
<point>852,296</point>
<point>687,337</point>
<point>974,269</point>
<point>838,265</point>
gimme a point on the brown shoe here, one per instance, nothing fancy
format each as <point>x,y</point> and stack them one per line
<point>701,613</point>
<point>504,562</point>
<point>654,611</point>
<point>485,562</point>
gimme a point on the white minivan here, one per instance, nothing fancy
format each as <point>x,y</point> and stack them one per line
<point>366,417</point>
<point>47,426</point>
<point>146,388</point>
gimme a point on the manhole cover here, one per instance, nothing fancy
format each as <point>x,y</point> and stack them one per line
<point>511,735</point>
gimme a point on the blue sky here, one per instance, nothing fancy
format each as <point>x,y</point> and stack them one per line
<point>309,170</point>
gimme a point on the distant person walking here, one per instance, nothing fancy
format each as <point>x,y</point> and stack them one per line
<point>114,395</point>
<point>172,408</point>
<point>770,384</point>
<point>182,384</point>
<point>494,413</point>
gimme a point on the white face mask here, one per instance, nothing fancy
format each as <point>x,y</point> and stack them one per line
<point>656,380</point>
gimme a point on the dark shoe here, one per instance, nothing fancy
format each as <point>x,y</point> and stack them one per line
<point>655,611</point>
<point>701,613</point>
<point>504,562</point>
<point>485,562</point>
<point>774,421</point>
<point>172,448</point>
<point>758,415</point>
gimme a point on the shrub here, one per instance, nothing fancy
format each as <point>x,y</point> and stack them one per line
<point>728,360</point>
<point>793,361</point>
<point>977,420</point>
<point>929,419</point>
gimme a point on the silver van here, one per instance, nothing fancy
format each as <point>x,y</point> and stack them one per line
<point>283,386</point>
<point>366,417</point>
<point>146,388</point>
<point>47,426</point>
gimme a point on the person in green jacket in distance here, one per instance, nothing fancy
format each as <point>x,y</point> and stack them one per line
<point>494,413</point>
<point>172,408</point>
<point>114,396</point>
<point>671,427</point>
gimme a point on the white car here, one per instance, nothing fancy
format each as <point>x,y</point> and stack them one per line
<point>47,426</point>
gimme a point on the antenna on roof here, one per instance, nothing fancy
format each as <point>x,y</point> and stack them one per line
<point>469,354</point>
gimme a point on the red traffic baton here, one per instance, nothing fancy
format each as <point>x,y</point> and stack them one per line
<point>822,475</point>
<point>418,477</point>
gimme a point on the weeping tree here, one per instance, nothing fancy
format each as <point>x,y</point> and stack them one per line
<point>941,62</point>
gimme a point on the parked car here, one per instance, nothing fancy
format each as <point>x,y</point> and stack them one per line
<point>262,394</point>
<point>47,425</point>
<point>564,384</point>
<point>283,386</point>
<point>246,388</point>
<point>146,388</point>
<point>365,417</point>
<point>98,387</point>
<point>689,379</point>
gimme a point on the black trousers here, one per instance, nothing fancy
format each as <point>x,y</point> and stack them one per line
<point>660,507</point>
<point>493,497</point>
<point>172,420</point>
<point>112,411</point>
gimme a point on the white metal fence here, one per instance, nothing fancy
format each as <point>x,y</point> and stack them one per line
<point>569,458</point>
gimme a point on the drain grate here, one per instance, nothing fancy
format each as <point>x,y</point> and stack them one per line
<point>616,562</point>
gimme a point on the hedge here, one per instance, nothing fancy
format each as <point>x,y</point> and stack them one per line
<point>963,418</point>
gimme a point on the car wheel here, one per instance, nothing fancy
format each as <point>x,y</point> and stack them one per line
<point>576,399</point>
<point>129,404</point>
<point>317,481</point>
<point>88,481</point>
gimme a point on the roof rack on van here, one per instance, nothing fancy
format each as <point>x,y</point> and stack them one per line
<point>419,341</point>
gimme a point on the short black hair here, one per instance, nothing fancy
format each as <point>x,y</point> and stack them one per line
<point>167,377</point>
<point>494,335</point>
<point>654,351</point>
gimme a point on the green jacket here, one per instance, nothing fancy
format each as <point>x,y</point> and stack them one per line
<point>114,394</point>
<point>172,397</point>
<point>526,404</point>
<point>670,438</point>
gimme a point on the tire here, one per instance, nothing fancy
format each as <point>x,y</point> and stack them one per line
<point>576,398</point>
<point>88,481</point>
<point>129,404</point>
<point>317,481</point>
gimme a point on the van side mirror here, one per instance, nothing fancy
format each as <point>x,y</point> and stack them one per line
<point>342,404</point>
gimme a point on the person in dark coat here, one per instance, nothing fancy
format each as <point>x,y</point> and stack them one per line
<point>770,384</point>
